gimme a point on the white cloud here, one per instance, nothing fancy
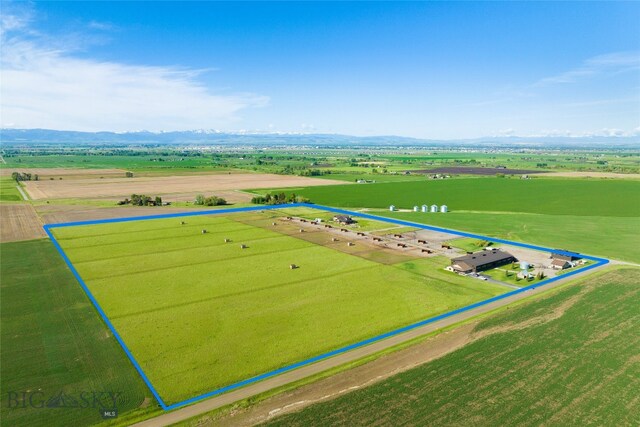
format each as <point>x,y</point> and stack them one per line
<point>102,26</point>
<point>45,86</point>
<point>612,63</point>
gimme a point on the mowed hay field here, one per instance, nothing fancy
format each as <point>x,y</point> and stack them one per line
<point>52,341</point>
<point>569,359</point>
<point>117,187</point>
<point>199,313</point>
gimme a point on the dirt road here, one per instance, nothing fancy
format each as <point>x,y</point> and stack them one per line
<point>345,381</point>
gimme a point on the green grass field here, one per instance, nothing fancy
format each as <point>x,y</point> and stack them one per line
<point>579,368</point>
<point>53,341</point>
<point>610,198</point>
<point>8,190</point>
<point>199,313</point>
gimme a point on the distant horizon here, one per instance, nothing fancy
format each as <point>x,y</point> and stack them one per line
<point>52,134</point>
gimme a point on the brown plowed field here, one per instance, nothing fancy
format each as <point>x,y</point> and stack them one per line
<point>165,185</point>
<point>54,214</point>
<point>19,222</point>
<point>46,173</point>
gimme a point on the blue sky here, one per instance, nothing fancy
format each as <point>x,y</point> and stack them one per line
<point>422,69</point>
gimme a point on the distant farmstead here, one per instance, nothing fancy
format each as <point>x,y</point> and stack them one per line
<point>480,261</point>
<point>344,219</point>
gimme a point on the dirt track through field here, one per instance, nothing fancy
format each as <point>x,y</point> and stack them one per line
<point>19,222</point>
<point>343,382</point>
<point>163,185</point>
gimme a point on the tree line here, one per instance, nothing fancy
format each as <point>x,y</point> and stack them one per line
<point>141,200</point>
<point>209,201</point>
<point>17,176</point>
<point>278,199</point>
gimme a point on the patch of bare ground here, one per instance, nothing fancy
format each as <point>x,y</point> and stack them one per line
<point>120,187</point>
<point>231,196</point>
<point>69,173</point>
<point>19,222</point>
<point>555,313</point>
<point>54,214</point>
<point>593,175</point>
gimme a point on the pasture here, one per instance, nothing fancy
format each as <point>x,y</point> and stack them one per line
<point>610,198</point>
<point>569,358</point>
<point>8,190</point>
<point>199,313</point>
<point>52,342</point>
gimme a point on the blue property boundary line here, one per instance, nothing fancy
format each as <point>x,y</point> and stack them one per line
<point>48,227</point>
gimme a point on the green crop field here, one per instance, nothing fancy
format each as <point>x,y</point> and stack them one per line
<point>542,196</point>
<point>8,190</point>
<point>53,341</point>
<point>199,313</point>
<point>578,366</point>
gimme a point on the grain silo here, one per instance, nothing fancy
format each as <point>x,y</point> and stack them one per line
<point>444,209</point>
<point>392,208</point>
<point>434,208</point>
<point>425,208</point>
<point>415,208</point>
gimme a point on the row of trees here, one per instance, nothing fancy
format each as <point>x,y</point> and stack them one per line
<point>209,201</point>
<point>17,176</point>
<point>278,199</point>
<point>141,200</point>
